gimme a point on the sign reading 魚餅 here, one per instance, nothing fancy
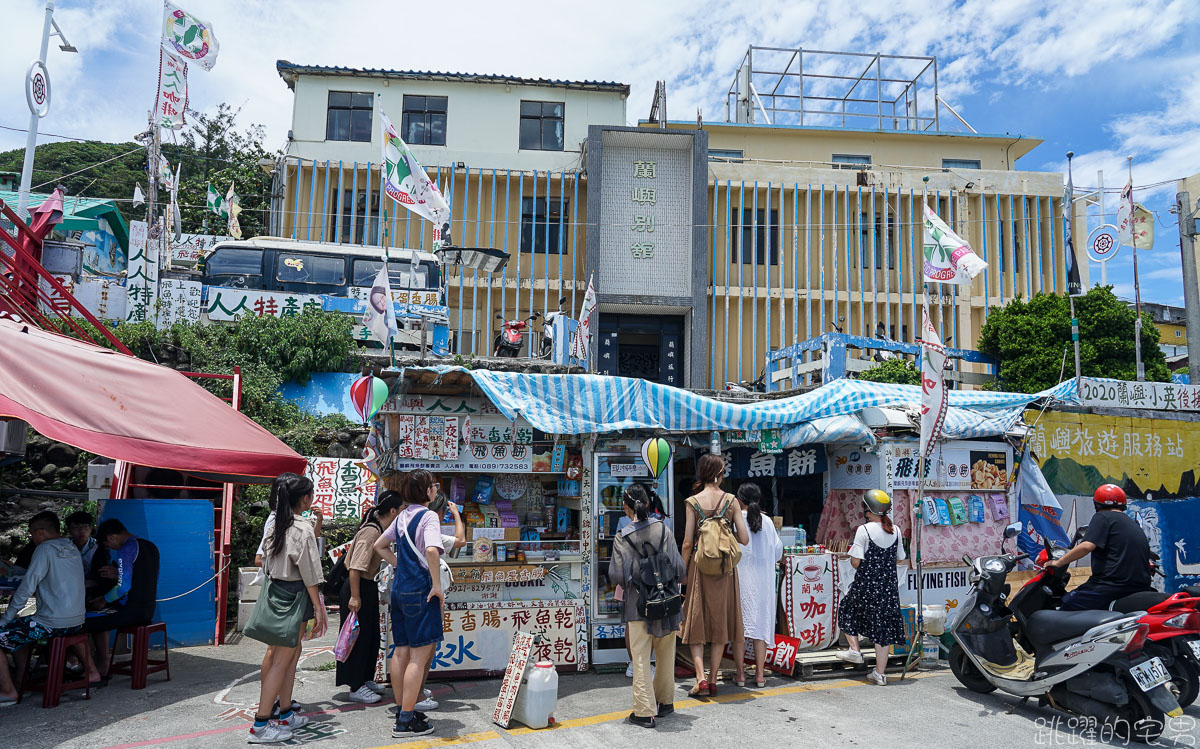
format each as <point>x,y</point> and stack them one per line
<point>746,462</point>
<point>1159,396</point>
<point>854,468</point>
<point>342,487</point>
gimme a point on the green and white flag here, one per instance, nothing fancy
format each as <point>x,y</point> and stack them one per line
<point>948,257</point>
<point>405,180</point>
<point>216,202</point>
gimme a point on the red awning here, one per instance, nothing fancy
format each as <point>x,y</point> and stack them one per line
<point>128,409</point>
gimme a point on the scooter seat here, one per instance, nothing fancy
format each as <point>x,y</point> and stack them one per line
<point>1140,601</point>
<point>1049,627</point>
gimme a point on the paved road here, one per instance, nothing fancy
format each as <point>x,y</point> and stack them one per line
<point>206,703</point>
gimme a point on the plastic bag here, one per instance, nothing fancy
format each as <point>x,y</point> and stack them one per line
<point>347,636</point>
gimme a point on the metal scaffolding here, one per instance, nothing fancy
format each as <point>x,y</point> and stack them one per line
<point>833,89</point>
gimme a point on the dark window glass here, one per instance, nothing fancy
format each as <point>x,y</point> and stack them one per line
<point>314,269</point>
<point>354,217</point>
<point>718,154</point>
<point>542,125</point>
<point>1015,250</point>
<point>348,116</point>
<point>234,267</point>
<point>850,161</point>
<point>873,257</point>
<point>960,164</point>
<point>535,217</point>
<point>761,239</point>
<point>426,276</point>
<point>424,120</point>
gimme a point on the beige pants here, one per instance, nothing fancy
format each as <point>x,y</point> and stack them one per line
<point>646,696</point>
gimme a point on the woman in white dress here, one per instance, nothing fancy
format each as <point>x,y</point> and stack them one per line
<point>756,577</point>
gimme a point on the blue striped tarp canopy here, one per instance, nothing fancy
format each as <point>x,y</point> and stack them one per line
<point>582,404</point>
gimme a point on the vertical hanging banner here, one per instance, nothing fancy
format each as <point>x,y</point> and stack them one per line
<point>948,257</point>
<point>582,339</point>
<point>171,103</point>
<point>141,279</point>
<point>188,37</point>
<point>405,181</point>
<point>1074,284</point>
<point>933,388</point>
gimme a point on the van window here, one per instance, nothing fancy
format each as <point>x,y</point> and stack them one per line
<point>398,272</point>
<point>236,267</point>
<point>315,269</point>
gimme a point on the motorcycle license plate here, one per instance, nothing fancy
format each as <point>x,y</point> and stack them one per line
<point>1150,674</point>
<point>1195,646</point>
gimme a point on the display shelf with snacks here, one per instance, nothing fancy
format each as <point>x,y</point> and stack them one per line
<point>613,472</point>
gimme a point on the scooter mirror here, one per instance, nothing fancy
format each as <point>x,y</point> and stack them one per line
<point>1012,531</point>
<point>562,301</point>
<point>499,317</point>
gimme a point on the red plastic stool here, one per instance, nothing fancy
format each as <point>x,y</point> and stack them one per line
<point>141,665</point>
<point>53,686</point>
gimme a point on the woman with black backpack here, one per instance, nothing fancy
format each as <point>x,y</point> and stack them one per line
<point>359,593</point>
<point>646,564</point>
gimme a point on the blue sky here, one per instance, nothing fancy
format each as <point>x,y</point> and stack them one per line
<point>1104,78</point>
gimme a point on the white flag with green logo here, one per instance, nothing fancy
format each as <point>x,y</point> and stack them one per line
<point>405,180</point>
<point>948,257</point>
<point>216,202</point>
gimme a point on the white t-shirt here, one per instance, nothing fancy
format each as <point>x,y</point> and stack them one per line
<point>877,534</point>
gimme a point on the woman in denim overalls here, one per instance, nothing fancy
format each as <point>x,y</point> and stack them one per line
<point>417,597</point>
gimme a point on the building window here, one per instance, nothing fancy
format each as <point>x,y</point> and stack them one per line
<point>850,161</point>
<point>760,239</point>
<point>542,125</point>
<point>873,257</point>
<point>961,164</point>
<point>1179,334</point>
<point>725,154</point>
<point>424,121</point>
<point>349,116</point>
<point>536,217</point>
<point>353,227</point>
<point>1004,251</point>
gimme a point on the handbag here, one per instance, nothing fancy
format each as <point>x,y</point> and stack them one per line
<point>278,616</point>
<point>446,576</point>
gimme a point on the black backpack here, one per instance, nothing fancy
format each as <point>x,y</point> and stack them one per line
<point>657,585</point>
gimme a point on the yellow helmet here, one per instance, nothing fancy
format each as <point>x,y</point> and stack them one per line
<point>877,501</point>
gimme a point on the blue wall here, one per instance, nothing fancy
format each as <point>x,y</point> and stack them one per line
<point>182,529</point>
<point>325,393</point>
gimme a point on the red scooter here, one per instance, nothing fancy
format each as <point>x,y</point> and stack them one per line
<point>508,340</point>
<point>1173,620</point>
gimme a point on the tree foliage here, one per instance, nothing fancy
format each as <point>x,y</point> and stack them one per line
<point>212,149</point>
<point>895,371</point>
<point>1029,337</point>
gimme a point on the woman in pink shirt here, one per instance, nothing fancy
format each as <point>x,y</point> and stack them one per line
<point>417,596</point>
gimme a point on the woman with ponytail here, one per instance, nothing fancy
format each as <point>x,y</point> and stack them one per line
<point>872,606</point>
<point>360,594</point>
<point>756,581</point>
<point>293,567</point>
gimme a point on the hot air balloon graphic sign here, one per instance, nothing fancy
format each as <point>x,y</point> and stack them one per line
<point>368,394</point>
<point>656,452</point>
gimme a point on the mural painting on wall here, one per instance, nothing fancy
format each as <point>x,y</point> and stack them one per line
<point>1153,460</point>
<point>103,255</point>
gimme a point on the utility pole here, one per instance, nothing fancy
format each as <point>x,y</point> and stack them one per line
<point>1075,258</point>
<point>1137,289</point>
<point>152,161</point>
<point>37,93</point>
<point>1191,285</point>
<point>1100,202</point>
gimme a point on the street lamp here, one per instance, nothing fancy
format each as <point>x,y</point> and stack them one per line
<point>37,96</point>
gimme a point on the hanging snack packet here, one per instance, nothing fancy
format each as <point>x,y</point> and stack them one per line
<point>975,511</point>
<point>958,511</point>
<point>943,511</point>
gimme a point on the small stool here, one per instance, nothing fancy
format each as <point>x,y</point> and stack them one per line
<point>141,665</point>
<point>53,686</point>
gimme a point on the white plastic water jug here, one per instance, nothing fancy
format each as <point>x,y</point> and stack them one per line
<point>537,697</point>
<point>935,619</point>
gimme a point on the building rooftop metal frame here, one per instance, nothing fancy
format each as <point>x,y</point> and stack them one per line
<point>800,86</point>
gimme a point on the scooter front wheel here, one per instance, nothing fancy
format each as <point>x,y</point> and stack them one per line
<point>967,673</point>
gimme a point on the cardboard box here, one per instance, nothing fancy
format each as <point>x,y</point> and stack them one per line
<point>909,615</point>
<point>510,534</point>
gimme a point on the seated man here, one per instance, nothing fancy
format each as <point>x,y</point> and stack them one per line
<point>79,528</point>
<point>131,601</point>
<point>55,577</point>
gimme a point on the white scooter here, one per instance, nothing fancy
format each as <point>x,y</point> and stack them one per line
<point>1086,662</point>
<point>550,323</point>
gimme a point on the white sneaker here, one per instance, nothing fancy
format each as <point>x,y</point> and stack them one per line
<point>294,722</point>
<point>850,656</point>
<point>426,704</point>
<point>375,687</point>
<point>269,734</point>
<point>629,671</point>
<point>364,695</point>
<point>427,694</point>
<point>877,678</point>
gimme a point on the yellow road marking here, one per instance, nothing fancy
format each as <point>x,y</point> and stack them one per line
<point>686,704</point>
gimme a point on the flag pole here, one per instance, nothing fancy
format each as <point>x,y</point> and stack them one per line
<point>1137,291</point>
<point>1070,248</point>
